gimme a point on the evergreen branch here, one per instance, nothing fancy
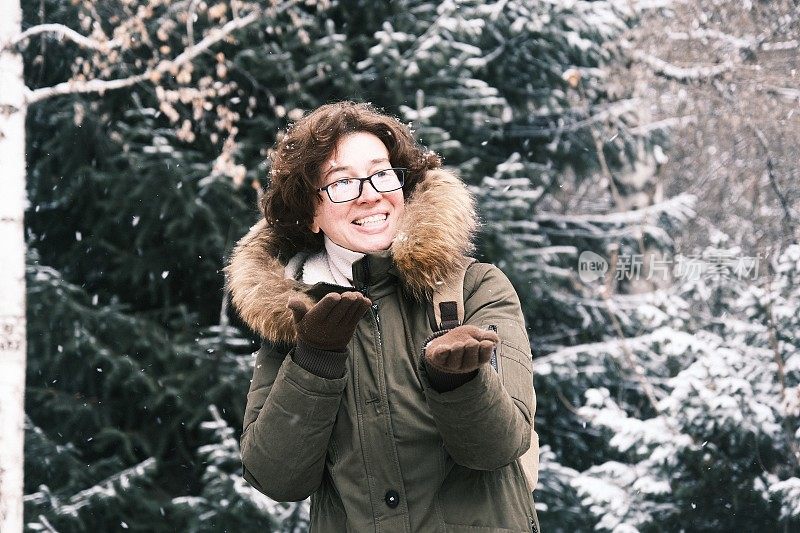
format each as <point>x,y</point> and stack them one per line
<point>634,367</point>
<point>49,447</point>
<point>780,364</point>
<point>606,112</point>
<point>66,33</point>
<point>153,74</point>
<point>681,203</point>
<point>107,487</point>
<point>604,234</point>
<point>608,347</point>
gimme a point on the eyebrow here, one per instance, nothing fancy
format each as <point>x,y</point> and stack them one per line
<point>337,169</point>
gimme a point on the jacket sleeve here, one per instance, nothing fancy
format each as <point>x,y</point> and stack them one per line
<point>487,422</point>
<point>287,425</point>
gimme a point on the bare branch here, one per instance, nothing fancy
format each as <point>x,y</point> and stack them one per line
<point>48,526</point>
<point>100,86</point>
<point>601,158</point>
<point>786,92</point>
<point>683,74</point>
<point>742,43</point>
<point>702,34</point>
<point>190,22</point>
<point>644,129</point>
<point>787,213</point>
<point>782,45</point>
<point>645,5</point>
<point>66,33</point>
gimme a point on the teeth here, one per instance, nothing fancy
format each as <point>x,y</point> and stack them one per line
<point>372,219</point>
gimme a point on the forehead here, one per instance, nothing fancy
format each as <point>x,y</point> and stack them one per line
<point>357,150</point>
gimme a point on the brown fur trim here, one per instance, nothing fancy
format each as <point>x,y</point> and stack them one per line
<point>258,289</point>
<point>436,231</point>
<point>434,235</point>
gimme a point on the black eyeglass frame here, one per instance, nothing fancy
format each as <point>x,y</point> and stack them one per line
<point>400,171</point>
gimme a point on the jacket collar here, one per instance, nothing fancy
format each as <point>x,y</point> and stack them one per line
<point>435,233</point>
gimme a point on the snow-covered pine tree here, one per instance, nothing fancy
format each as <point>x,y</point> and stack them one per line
<point>227,502</point>
<point>717,450</point>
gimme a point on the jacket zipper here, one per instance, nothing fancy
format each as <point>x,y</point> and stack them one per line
<point>377,325</point>
<point>365,288</point>
<point>374,309</point>
<point>493,359</point>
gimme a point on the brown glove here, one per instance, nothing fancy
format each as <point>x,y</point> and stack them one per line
<point>461,350</point>
<point>331,322</point>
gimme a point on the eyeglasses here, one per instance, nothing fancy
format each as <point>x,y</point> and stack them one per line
<point>347,189</point>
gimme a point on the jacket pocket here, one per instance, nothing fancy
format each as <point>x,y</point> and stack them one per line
<point>516,372</point>
<point>485,500</point>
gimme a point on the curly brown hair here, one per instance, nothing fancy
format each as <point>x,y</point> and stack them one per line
<point>291,198</point>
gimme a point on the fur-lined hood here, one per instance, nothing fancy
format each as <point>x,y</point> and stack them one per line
<point>435,233</point>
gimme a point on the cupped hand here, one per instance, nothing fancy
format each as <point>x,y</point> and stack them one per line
<point>462,349</point>
<point>330,323</point>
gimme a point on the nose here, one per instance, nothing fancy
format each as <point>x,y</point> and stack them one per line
<point>369,194</point>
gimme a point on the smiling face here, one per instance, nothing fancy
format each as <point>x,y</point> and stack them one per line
<point>370,222</point>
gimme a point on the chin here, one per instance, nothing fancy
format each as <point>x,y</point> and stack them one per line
<point>375,245</point>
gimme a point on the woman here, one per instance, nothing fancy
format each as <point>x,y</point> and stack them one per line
<point>356,400</point>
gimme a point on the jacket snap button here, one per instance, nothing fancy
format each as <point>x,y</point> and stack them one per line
<point>392,498</point>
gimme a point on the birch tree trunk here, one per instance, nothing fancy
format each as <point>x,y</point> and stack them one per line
<point>12,269</point>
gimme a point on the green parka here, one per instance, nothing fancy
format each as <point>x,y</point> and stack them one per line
<point>379,449</point>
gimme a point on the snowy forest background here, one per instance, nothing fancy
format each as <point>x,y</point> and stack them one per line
<point>658,131</point>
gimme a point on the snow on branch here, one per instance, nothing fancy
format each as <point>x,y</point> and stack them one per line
<point>575,119</point>
<point>703,34</point>
<point>782,45</point>
<point>109,487</point>
<point>683,74</point>
<point>645,129</point>
<point>153,74</point>
<point>680,205</point>
<point>553,361</point>
<point>66,33</point>
<point>786,92</point>
<point>788,493</point>
<point>645,5</point>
